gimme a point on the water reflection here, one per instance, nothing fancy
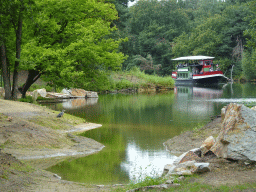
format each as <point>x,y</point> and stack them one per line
<point>78,103</point>
<point>193,105</point>
<point>134,129</point>
<point>140,163</point>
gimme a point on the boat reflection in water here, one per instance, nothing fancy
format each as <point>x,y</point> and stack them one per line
<point>198,92</point>
<point>78,103</point>
<point>193,103</point>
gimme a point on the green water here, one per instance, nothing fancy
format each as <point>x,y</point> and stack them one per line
<point>135,127</point>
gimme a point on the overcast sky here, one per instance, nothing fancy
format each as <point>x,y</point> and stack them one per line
<point>131,3</point>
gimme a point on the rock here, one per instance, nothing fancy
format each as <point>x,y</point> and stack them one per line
<point>254,108</point>
<point>223,112</point>
<point>185,168</point>
<point>91,94</point>
<point>58,95</point>
<point>189,168</point>
<point>39,92</point>
<point>237,139</point>
<point>202,167</point>
<point>167,167</point>
<point>57,176</point>
<point>34,95</point>
<point>169,181</point>
<point>190,155</point>
<point>207,144</point>
<point>66,91</point>
<point>78,92</point>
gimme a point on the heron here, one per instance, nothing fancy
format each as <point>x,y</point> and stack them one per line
<point>61,113</point>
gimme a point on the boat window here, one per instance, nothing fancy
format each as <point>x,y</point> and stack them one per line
<point>208,62</point>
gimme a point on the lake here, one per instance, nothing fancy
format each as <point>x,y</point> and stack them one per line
<point>134,128</point>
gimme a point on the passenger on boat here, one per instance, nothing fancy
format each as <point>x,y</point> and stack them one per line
<point>195,71</point>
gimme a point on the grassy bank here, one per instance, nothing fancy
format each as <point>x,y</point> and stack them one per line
<point>132,79</point>
<point>138,79</point>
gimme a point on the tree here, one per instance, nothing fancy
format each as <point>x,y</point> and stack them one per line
<point>11,14</point>
<point>151,28</point>
<point>249,57</point>
<point>68,45</point>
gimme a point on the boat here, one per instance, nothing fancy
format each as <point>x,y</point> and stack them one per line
<point>197,70</point>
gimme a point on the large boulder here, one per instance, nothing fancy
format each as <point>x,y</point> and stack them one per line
<point>78,92</point>
<point>237,139</point>
<point>39,92</point>
<point>91,94</point>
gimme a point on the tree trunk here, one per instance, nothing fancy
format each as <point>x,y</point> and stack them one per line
<point>17,61</point>
<point>6,78</point>
<point>33,75</point>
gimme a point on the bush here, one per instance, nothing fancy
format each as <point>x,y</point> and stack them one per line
<point>28,99</point>
<point>248,65</point>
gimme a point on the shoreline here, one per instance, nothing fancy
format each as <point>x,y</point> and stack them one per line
<point>21,135</point>
<point>27,147</point>
<point>25,138</point>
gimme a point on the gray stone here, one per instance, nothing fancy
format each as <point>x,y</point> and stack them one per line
<point>179,159</point>
<point>169,181</point>
<point>202,167</point>
<point>91,94</point>
<point>41,92</point>
<point>237,139</point>
<point>189,168</point>
<point>66,91</point>
<point>57,176</point>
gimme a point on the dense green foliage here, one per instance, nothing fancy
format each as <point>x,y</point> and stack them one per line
<point>65,44</point>
<point>167,29</point>
<point>76,46</point>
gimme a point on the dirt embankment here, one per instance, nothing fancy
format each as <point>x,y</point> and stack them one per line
<point>32,138</point>
<point>223,172</point>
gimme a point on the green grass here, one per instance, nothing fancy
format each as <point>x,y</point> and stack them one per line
<point>189,186</point>
<point>15,168</point>
<point>136,79</point>
<point>28,99</point>
<point>62,123</point>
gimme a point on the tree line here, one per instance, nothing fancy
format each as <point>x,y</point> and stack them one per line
<point>162,30</point>
<point>76,43</point>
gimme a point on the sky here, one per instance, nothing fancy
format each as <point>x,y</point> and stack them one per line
<point>132,3</point>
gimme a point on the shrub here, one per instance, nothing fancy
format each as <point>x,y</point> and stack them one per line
<point>28,99</point>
